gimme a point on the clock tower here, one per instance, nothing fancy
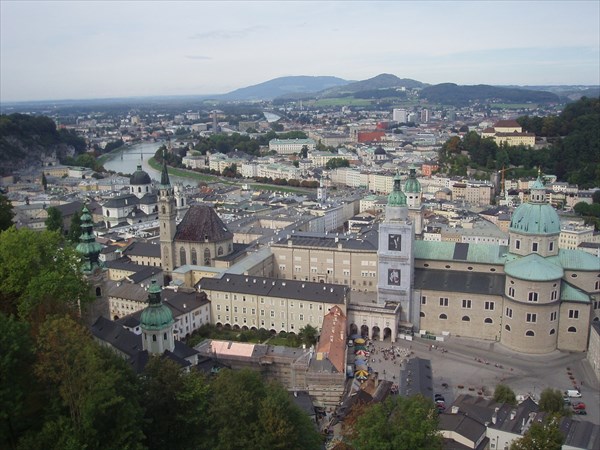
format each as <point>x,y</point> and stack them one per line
<point>167,212</point>
<point>395,254</point>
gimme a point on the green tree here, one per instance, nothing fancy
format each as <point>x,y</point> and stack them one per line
<point>96,388</point>
<point>39,275</point>
<point>176,405</point>
<point>551,400</point>
<point>16,381</point>
<point>75,228</point>
<point>399,423</point>
<point>304,152</point>
<point>308,335</point>
<point>504,394</point>
<point>539,436</point>
<point>54,222</point>
<point>334,163</point>
<point>44,181</point>
<point>6,213</point>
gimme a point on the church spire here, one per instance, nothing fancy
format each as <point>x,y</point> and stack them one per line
<point>397,197</point>
<point>88,247</point>
<point>164,176</point>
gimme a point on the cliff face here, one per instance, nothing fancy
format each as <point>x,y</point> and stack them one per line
<point>26,140</point>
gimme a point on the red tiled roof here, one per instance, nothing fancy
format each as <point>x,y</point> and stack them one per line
<point>507,123</point>
<point>332,341</point>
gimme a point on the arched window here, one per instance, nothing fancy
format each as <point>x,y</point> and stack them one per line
<point>529,333</point>
<point>206,257</point>
<point>507,327</point>
<point>98,292</point>
<point>466,319</point>
<point>552,331</point>
<point>422,314</point>
<point>164,210</point>
<point>488,320</point>
<point>572,330</point>
<point>139,189</point>
<point>219,251</point>
<point>443,316</point>
<point>194,257</point>
<point>182,257</point>
<point>154,338</point>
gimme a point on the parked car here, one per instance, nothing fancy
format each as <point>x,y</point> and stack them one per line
<point>566,400</point>
<point>581,412</point>
<point>579,405</point>
<point>573,393</point>
<point>437,397</point>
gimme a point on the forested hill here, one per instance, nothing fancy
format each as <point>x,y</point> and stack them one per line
<point>453,94</point>
<point>24,139</point>
<point>575,157</point>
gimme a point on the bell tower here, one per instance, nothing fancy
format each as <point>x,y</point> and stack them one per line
<point>395,254</point>
<point>167,212</point>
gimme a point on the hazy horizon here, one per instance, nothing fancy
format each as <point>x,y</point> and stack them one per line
<point>51,51</point>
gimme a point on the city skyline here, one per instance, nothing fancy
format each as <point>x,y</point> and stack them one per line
<point>80,50</point>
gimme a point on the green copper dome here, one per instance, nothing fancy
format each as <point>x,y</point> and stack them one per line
<point>397,197</point>
<point>535,216</point>
<point>533,268</point>
<point>157,315</point>
<point>412,185</point>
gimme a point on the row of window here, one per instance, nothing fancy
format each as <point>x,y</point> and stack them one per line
<point>466,303</point>
<point>532,333</point>
<point>282,302</point>
<point>464,318</point>
<point>532,296</point>
<point>534,246</point>
<point>532,317</point>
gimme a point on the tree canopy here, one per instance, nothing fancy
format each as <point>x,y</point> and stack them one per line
<point>54,222</point>
<point>551,400</point>
<point>6,213</point>
<point>544,435</point>
<point>399,423</point>
<point>504,394</point>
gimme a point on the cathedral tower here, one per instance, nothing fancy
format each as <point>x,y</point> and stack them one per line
<point>167,212</point>
<point>395,254</point>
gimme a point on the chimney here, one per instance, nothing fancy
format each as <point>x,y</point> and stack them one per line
<point>513,414</point>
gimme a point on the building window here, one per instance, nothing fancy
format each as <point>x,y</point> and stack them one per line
<point>489,306</point>
<point>423,300</point>
<point>218,307</point>
<point>573,314</point>
<point>531,318</point>
<point>552,331</point>
<point>509,312</point>
<point>153,338</point>
<point>272,313</point>
<point>466,319</point>
<point>572,330</point>
<point>443,316</point>
<point>532,297</point>
<point>517,244</point>
<point>488,320</point>
<point>421,314</point>
<point>553,316</point>
<point>534,247</point>
<point>551,246</point>
<point>194,257</point>
<point>219,251</point>
<point>529,333</point>
<point>507,327</point>
<point>597,286</point>
<point>466,304</point>
<point>511,292</point>
<point>554,295</point>
<point>206,257</point>
<point>182,257</point>
<point>443,301</point>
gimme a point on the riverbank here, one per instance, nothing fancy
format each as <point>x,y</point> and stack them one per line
<point>190,174</point>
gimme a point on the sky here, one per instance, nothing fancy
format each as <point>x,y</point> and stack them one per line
<point>51,50</point>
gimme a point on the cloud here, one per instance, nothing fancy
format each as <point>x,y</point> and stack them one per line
<point>228,34</point>
<point>200,57</point>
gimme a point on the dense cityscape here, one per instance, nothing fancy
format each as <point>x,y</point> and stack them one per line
<point>310,262</point>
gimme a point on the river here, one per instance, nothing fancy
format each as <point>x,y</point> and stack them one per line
<point>140,154</point>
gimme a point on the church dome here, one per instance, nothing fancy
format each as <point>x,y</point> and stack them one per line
<point>397,197</point>
<point>140,177</point>
<point>536,216</point>
<point>412,184</point>
<point>157,315</point>
<point>380,151</point>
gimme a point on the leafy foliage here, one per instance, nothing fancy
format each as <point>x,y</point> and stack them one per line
<point>399,423</point>
<point>453,94</point>
<point>54,221</point>
<point>334,163</point>
<point>545,435</point>
<point>6,213</point>
<point>551,400</point>
<point>504,394</point>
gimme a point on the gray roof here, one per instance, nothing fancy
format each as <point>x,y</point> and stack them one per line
<point>367,241</point>
<point>202,223</point>
<point>292,289</point>
<point>142,249</point>
<point>117,336</point>
<point>463,425</point>
<point>416,378</point>
<point>457,281</point>
<point>121,201</point>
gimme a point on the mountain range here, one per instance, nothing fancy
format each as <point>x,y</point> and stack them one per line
<point>291,88</point>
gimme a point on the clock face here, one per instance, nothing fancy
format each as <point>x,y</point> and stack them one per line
<point>394,242</point>
<point>393,277</point>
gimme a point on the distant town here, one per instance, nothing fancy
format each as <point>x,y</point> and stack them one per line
<point>225,233</point>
